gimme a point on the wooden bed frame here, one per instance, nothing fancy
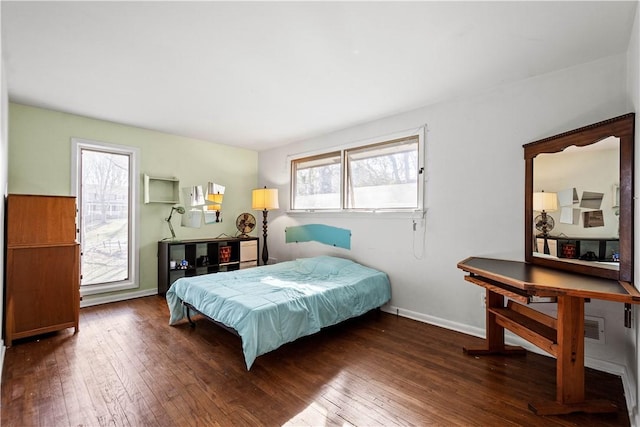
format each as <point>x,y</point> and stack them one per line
<point>189,307</point>
<point>193,324</point>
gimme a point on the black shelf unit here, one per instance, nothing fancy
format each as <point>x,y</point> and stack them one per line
<point>203,256</point>
<point>579,247</point>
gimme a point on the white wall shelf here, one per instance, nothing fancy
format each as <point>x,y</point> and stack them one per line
<point>161,189</point>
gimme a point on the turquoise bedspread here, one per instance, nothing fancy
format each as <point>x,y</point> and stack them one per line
<point>274,304</point>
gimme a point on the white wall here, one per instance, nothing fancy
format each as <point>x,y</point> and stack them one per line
<point>633,90</point>
<point>4,144</point>
<point>474,193</point>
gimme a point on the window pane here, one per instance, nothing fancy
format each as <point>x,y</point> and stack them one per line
<point>104,217</point>
<point>383,176</point>
<point>316,182</point>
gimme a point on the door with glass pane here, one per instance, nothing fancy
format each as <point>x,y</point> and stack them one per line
<point>104,216</point>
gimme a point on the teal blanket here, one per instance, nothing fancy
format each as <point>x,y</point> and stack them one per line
<point>274,304</point>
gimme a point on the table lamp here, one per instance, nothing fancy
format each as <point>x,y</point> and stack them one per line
<point>181,211</point>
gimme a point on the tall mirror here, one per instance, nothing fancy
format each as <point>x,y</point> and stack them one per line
<point>579,200</point>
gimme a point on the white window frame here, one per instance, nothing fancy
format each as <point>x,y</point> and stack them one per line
<point>77,145</point>
<point>414,212</point>
<point>339,154</point>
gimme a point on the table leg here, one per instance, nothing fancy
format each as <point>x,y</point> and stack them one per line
<point>570,362</point>
<point>495,333</point>
<point>570,396</point>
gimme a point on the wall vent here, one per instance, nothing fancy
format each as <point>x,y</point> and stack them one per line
<point>594,329</point>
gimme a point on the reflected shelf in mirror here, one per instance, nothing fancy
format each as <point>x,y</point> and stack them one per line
<point>607,265</point>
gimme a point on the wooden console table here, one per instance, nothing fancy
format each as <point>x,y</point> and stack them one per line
<point>562,337</point>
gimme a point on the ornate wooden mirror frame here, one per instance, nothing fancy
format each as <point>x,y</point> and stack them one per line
<point>621,127</point>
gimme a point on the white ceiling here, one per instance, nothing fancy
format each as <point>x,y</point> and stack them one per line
<point>263,74</point>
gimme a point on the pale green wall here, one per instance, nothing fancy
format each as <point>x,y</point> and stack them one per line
<point>40,163</point>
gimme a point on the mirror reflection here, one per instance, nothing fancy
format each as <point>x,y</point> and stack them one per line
<point>575,204</point>
<point>579,200</point>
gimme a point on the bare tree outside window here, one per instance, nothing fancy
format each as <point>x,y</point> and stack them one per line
<point>104,217</point>
<point>317,182</point>
<point>383,176</point>
<point>378,176</point>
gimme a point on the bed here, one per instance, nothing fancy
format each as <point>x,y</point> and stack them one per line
<point>271,305</point>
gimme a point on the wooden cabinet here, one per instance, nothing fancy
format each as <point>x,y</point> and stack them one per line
<point>187,258</point>
<point>42,266</point>
<point>249,253</point>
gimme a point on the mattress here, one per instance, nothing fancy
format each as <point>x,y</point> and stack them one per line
<point>271,305</point>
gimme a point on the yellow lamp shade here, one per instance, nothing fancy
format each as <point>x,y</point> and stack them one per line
<point>547,202</point>
<point>215,198</point>
<point>215,193</point>
<point>265,199</point>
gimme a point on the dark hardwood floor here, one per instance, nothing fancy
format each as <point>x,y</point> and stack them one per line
<point>127,367</point>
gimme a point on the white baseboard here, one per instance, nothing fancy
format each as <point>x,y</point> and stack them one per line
<point>436,321</point>
<point>3,350</point>
<point>628,382</point>
<point>629,387</point>
<point>93,300</point>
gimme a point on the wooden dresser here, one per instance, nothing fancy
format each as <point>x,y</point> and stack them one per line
<point>43,266</point>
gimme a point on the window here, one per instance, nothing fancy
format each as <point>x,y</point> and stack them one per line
<point>376,176</point>
<point>383,176</point>
<point>106,190</point>
<point>317,182</point>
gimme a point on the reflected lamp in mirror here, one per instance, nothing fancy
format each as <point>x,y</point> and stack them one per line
<point>215,193</point>
<point>213,201</point>
<point>211,214</point>
<point>181,211</point>
<point>264,199</point>
<point>544,203</point>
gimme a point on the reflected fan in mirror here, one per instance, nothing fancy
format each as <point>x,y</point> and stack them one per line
<point>543,203</point>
